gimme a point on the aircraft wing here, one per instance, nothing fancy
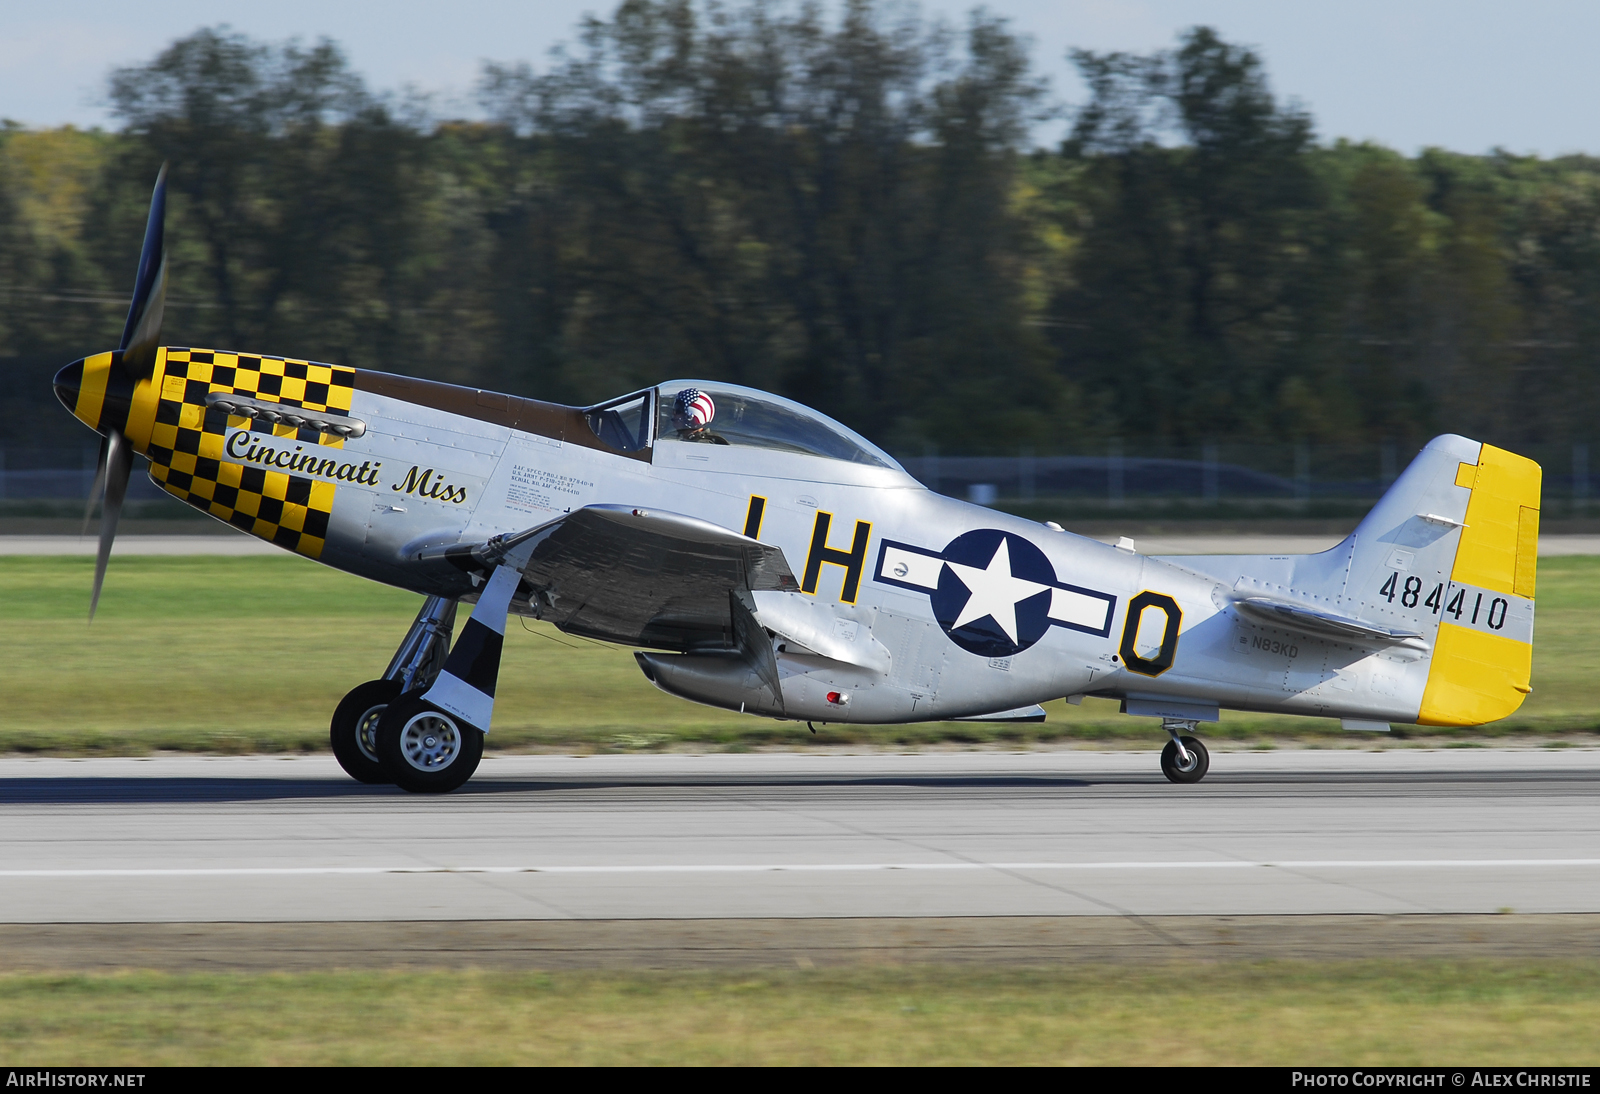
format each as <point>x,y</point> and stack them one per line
<point>1319,621</point>
<point>642,577</point>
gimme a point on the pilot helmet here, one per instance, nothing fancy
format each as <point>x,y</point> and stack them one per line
<point>692,409</point>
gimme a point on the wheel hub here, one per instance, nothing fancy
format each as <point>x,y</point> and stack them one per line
<point>430,741</point>
<point>367,731</point>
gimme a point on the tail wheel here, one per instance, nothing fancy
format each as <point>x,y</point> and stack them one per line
<point>1174,767</point>
<point>423,749</point>
<point>354,730</point>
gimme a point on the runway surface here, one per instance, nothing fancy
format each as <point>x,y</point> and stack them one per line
<point>803,836</point>
<point>237,543</point>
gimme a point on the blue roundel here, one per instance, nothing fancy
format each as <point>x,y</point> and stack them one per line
<point>994,593</point>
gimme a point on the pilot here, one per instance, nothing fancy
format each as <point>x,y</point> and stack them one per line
<point>692,412</point>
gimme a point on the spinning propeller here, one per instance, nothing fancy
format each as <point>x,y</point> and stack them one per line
<point>136,356</point>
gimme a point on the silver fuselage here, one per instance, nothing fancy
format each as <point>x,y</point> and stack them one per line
<point>911,606</point>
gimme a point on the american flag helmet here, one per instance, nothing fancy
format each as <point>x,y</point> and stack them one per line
<point>693,409</point>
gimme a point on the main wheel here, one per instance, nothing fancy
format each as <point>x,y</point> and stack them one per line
<point>423,749</point>
<point>354,731</point>
<point>1179,772</point>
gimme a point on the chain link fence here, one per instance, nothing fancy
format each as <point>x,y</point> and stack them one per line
<point>1197,479</point>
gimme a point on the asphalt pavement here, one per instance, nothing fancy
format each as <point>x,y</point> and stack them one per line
<point>804,836</point>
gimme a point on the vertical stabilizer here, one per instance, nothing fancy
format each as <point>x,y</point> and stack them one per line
<point>1448,556</point>
<point>1483,656</point>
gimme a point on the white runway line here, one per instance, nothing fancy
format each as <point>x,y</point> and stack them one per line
<point>803,867</point>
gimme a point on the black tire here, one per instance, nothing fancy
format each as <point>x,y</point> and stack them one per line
<point>357,716</point>
<point>423,749</point>
<point>1199,762</point>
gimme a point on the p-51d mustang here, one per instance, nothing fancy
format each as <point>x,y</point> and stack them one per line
<point>768,560</point>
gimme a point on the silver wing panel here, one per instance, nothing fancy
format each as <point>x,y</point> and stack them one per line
<point>644,577</point>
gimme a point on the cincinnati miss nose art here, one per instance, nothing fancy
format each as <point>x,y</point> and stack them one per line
<point>419,481</point>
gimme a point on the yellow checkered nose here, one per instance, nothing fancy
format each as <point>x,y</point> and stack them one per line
<point>255,441</point>
<point>97,391</point>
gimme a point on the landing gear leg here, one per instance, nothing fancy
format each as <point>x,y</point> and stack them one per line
<point>1185,759</point>
<point>423,651</point>
<point>416,664</point>
<point>431,739</point>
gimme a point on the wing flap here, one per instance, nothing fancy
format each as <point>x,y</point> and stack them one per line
<point>820,631</point>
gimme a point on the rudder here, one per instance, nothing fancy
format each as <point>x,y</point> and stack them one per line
<point>1483,654</point>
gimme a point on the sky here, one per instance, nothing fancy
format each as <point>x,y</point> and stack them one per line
<point>1467,75</point>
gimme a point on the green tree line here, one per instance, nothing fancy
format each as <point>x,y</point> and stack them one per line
<point>846,210</point>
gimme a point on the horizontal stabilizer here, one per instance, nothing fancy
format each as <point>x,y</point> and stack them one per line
<point>1319,621</point>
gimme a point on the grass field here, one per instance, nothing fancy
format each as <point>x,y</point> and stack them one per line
<point>252,654</point>
<point>1461,1013</point>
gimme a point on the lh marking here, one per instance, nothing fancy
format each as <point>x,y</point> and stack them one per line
<point>994,593</point>
<point>853,560</point>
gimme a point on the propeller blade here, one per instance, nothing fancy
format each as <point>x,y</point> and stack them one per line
<point>142,334</point>
<point>118,466</point>
<point>99,484</point>
<point>141,338</point>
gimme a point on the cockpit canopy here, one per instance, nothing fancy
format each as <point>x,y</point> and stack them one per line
<point>623,423</point>
<point>706,412</point>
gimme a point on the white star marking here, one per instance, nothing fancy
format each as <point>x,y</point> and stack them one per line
<point>995,592</point>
